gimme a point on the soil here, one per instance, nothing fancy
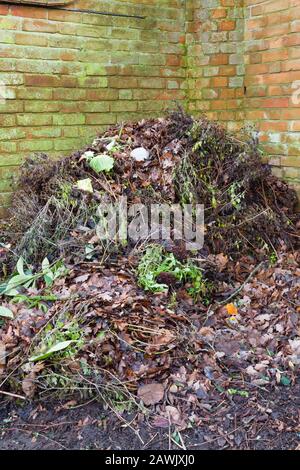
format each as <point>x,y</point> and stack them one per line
<point>273,423</point>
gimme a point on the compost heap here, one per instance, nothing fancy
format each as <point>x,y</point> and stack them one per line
<point>151,324</point>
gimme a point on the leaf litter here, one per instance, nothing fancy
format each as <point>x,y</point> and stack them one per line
<point>180,357</point>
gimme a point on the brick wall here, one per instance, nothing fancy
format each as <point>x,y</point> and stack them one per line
<point>272,55</point>
<point>68,74</point>
<point>243,60</point>
<point>215,34</point>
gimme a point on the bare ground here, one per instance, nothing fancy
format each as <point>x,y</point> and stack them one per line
<point>271,421</point>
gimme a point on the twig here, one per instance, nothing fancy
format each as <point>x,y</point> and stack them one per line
<point>14,395</point>
<point>181,446</point>
<point>254,217</point>
<point>120,417</point>
<point>181,440</point>
<point>257,268</point>
<point>152,438</point>
<point>169,433</point>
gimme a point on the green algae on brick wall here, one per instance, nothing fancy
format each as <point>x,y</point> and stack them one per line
<point>67,75</point>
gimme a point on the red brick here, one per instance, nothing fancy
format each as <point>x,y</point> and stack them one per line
<point>3,9</point>
<point>42,80</point>
<point>219,59</point>
<point>28,12</point>
<point>274,126</point>
<point>228,70</point>
<point>39,26</point>
<point>174,60</point>
<point>226,25</point>
<point>219,13</point>
<point>219,82</point>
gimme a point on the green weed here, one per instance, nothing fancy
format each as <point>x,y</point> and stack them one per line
<point>25,278</point>
<point>63,340</point>
<point>273,258</point>
<point>241,393</point>
<point>156,261</point>
<point>35,301</point>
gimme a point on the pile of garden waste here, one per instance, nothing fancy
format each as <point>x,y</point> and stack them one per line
<point>148,326</point>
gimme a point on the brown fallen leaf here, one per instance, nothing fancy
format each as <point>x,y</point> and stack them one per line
<point>160,421</point>
<point>82,278</point>
<point>151,393</point>
<point>173,414</point>
<point>163,337</point>
<point>105,296</point>
<point>221,261</point>
<point>69,404</point>
<point>28,383</point>
<point>207,333</point>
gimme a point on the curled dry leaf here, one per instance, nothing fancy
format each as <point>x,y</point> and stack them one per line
<point>160,421</point>
<point>207,333</point>
<point>164,337</point>
<point>151,393</point>
<point>222,261</point>
<point>28,384</point>
<point>173,414</point>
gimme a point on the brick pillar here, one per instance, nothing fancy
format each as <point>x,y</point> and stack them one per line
<point>272,55</point>
<point>215,42</point>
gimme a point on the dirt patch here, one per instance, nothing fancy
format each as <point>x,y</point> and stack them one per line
<point>267,421</point>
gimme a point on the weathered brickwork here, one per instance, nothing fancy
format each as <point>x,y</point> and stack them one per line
<point>215,35</point>
<point>68,75</point>
<point>272,56</point>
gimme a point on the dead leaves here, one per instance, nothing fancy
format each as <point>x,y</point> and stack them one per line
<point>174,416</point>
<point>180,360</point>
<point>221,261</point>
<point>151,394</point>
<point>28,383</point>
